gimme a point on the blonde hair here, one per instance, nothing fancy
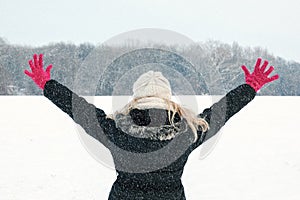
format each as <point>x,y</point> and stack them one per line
<point>193,121</point>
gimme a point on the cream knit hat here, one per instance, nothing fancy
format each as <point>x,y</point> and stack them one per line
<point>152,84</point>
<point>155,87</point>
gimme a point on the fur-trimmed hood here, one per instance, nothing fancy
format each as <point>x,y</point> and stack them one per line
<point>163,132</point>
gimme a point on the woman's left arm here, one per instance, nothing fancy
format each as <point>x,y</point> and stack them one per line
<point>93,120</point>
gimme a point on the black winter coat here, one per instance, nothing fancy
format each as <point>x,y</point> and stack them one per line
<point>148,168</point>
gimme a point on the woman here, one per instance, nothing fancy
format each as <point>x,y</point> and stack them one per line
<point>151,138</point>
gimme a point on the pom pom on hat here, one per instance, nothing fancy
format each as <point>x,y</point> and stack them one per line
<point>152,84</point>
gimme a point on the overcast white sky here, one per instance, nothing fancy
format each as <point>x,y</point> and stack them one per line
<point>267,23</point>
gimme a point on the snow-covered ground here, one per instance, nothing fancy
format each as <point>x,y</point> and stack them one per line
<point>257,155</point>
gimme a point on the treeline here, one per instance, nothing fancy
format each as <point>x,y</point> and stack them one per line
<point>217,62</point>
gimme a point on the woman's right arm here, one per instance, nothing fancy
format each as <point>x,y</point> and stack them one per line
<point>219,113</point>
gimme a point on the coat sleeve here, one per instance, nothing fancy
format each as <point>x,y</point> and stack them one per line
<point>219,113</point>
<point>93,120</point>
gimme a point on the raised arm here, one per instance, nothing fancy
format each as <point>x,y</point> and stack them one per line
<point>219,113</point>
<point>93,120</point>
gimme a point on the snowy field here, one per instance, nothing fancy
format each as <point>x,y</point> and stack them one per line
<point>257,156</point>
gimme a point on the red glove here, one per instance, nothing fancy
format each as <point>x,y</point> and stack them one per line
<point>259,77</point>
<point>38,75</point>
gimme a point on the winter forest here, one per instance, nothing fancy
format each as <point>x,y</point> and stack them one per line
<point>218,62</point>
